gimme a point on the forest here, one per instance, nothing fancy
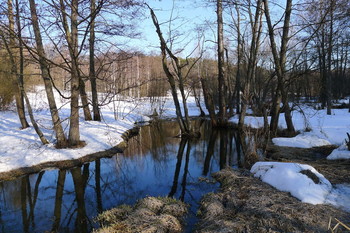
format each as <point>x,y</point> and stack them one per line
<point>258,61</point>
<point>267,68</point>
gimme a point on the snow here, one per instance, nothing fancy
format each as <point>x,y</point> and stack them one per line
<point>341,152</point>
<point>340,196</point>
<point>287,177</point>
<point>304,140</point>
<point>315,126</point>
<point>22,148</point>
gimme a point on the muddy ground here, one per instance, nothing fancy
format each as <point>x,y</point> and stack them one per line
<point>246,204</point>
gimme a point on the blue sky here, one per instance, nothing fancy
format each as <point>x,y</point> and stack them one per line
<point>187,14</point>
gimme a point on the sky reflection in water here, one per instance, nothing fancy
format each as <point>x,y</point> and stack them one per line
<point>155,164</point>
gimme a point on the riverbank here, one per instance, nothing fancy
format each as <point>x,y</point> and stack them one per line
<point>70,163</point>
<point>246,204</point>
<point>21,151</point>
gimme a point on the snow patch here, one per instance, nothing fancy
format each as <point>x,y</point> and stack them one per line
<point>340,196</point>
<point>304,140</point>
<point>288,177</point>
<point>331,128</point>
<point>22,148</point>
<point>303,182</point>
<point>341,152</point>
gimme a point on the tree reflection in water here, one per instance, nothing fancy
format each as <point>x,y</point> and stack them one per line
<point>156,164</point>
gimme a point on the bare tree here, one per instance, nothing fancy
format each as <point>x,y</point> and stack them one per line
<point>22,91</point>
<point>12,44</point>
<point>175,73</point>
<point>92,72</point>
<point>222,118</point>
<point>252,60</point>
<point>60,137</point>
<point>279,59</point>
<point>71,35</point>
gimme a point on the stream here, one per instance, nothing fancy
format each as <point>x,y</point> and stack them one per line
<point>155,164</point>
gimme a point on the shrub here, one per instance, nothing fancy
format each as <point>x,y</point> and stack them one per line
<point>8,86</point>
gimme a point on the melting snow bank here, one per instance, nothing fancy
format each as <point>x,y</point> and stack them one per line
<point>340,196</point>
<point>305,140</point>
<point>303,182</point>
<point>326,129</point>
<point>341,152</point>
<point>22,148</point>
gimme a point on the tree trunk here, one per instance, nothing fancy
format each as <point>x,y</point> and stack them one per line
<point>84,99</point>
<point>74,133</point>
<point>275,112</point>
<point>31,115</point>
<point>12,44</point>
<point>222,119</point>
<point>209,102</point>
<point>184,101</point>
<point>61,139</point>
<point>288,114</point>
<point>254,47</point>
<point>280,62</point>
<point>92,72</point>
<point>239,60</point>
<point>21,89</point>
<point>329,64</point>
<point>198,102</point>
<point>182,120</point>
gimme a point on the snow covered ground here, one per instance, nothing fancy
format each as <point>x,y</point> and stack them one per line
<point>292,178</point>
<point>22,148</point>
<point>316,127</point>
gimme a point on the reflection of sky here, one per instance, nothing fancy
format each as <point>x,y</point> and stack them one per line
<point>124,179</point>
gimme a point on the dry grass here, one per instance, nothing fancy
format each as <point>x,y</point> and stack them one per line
<point>338,224</point>
<point>245,204</point>
<point>149,215</point>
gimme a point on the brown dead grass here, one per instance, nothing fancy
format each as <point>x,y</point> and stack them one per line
<point>336,171</point>
<point>149,215</point>
<point>246,204</point>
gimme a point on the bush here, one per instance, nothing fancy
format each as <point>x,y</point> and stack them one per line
<point>8,86</point>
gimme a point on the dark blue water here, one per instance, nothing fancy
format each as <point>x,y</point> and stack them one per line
<point>155,164</point>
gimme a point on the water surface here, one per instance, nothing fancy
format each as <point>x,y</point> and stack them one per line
<point>155,164</point>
